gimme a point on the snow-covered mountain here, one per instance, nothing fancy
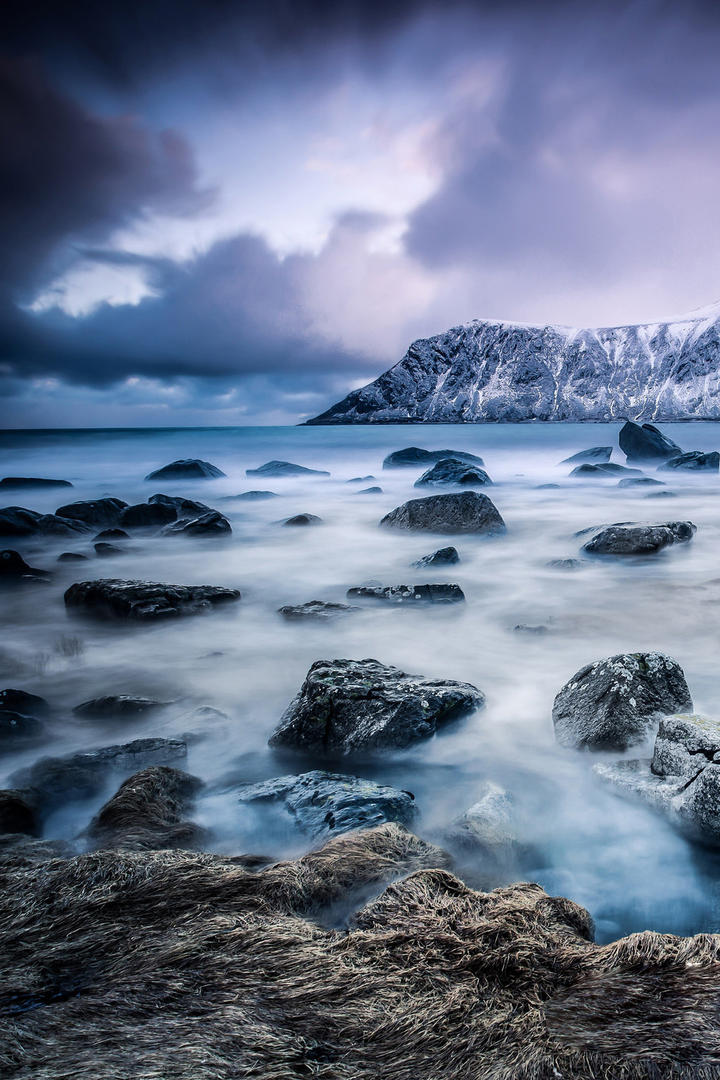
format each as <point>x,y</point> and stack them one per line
<point>504,371</point>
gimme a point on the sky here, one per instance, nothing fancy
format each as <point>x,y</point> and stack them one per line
<point>234,213</point>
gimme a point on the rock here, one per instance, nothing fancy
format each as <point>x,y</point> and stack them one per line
<point>146,813</point>
<point>17,813</point>
<point>602,470</point>
<point>324,804</point>
<point>684,745</point>
<point>661,495</point>
<point>486,834</point>
<point>639,481</point>
<point>111,597</point>
<point>17,521</point>
<point>112,534</point>
<point>21,701</point>
<point>100,513</point>
<point>284,468</point>
<point>315,609</point>
<point>72,556</point>
<point>453,471</point>
<point>183,507</point>
<point>14,567</point>
<point>348,706</point>
<point>186,469</point>
<point>461,512</point>
<point>400,594</point>
<point>413,455</point>
<point>646,443</point>
<point>594,454</point>
<point>548,487</point>
<point>147,515</point>
<point>108,551</point>
<point>302,519</point>
<point>565,564</point>
<point>695,461</point>
<point>526,628</point>
<point>32,482</point>
<point>254,496</point>
<point>57,780</point>
<point>633,538</point>
<point>212,524</point>
<point>370,491</point>
<point>612,704</point>
<point>117,705</point>
<point>18,729</point>
<point>359,479</point>
<point>446,556</point>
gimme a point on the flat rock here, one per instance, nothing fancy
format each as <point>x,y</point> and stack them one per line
<point>639,481</point>
<point>694,461</point>
<point>453,471</point>
<point>320,610</point>
<point>12,482</point>
<point>400,594</point>
<point>186,469</point>
<point>100,513</point>
<point>212,524</point>
<point>302,519</point>
<point>414,455</point>
<point>455,512</point>
<point>636,538</point>
<point>349,706</point>
<point>284,468</point>
<point>17,813</point>
<point>254,496</point>
<point>147,813</point>
<point>613,704</point>
<point>325,804</point>
<point>117,706</point>
<point>646,443</point>
<point>446,556</point>
<point>145,600</point>
<point>593,454</point>
<point>603,470</point>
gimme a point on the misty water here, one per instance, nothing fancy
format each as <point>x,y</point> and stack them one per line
<point>618,858</point>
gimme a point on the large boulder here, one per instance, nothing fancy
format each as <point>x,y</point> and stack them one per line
<point>400,594</point>
<point>147,515</point>
<point>186,469</point>
<point>211,524</point>
<point>324,804</point>
<point>635,538</point>
<point>32,482</point>
<point>453,471</point>
<point>694,461</point>
<point>461,512</point>
<point>446,556</point>
<point>594,454</point>
<point>98,513</point>
<point>145,600</point>
<point>613,704</point>
<point>147,813</point>
<point>414,455</point>
<point>284,468</point>
<point>646,443</point>
<point>183,506</point>
<point>349,706</point>
<point>317,610</point>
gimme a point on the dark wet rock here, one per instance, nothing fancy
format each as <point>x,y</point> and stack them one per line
<point>284,468</point>
<point>21,701</point>
<point>102,513</point>
<point>694,461</point>
<point>639,481</point>
<point>147,813</point>
<point>211,524</point>
<point>325,804</point>
<point>18,729</point>
<point>148,515</point>
<point>72,556</point>
<point>183,507</point>
<point>17,813</point>
<point>17,521</point>
<point>400,594</point>
<point>117,706</point>
<point>145,600</point>
<point>565,564</point>
<point>359,479</point>
<point>112,534</point>
<point>548,487</point>
<point>370,491</point>
<point>57,780</point>
<point>32,482</point>
<point>446,556</point>
<point>603,471</point>
<point>52,525</point>
<point>527,628</point>
<point>594,454</point>
<point>14,567</point>
<point>453,471</point>
<point>613,704</point>
<point>413,455</point>
<point>302,519</point>
<point>633,538</point>
<point>186,469</point>
<point>315,609</point>
<point>646,443</point>
<point>456,512</point>
<point>108,551</point>
<point>661,495</point>
<point>254,496</point>
<point>349,706</point>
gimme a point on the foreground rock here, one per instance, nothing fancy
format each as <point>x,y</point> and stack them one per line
<point>319,610</point>
<point>145,600</point>
<point>632,538</point>
<point>400,594</point>
<point>464,512</point>
<point>147,951</point>
<point>603,470</point>
<point>593,454</point>
<point>97,513</point>
<point>646,443</point>
<point>348,706</point>
<point>186,469</point>
<point>14,568</point>
<point>284,468</point>
<point>13,482</point>
<point>414,455</point>
<point>613,704</point>
<point>148,812</point>
<point>18,521</point>
<point>117,706</point>
<point>453,471</point>
<point>323,804</point>
<point>210,524</point>
<point>694,461</point>
<point>446,556</point>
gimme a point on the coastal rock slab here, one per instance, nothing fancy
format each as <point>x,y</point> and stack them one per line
<point>612,704</point>
<point>117,706</point>
<point>602,470</point>
<point>320,610</point>
<point>145,600</point>
<point>461,512</point>
<point>40,482</point>
<point>633,538</point>
<point>186,469</point>
<point>639,481</point>
<point>694,461</point>
<point>284,468</point>
<point>414,455</point>
<point>453,471</point>
<point>593,454</point>
<point>400,594</point>
<point>348,706</point>
<point>646,443</point>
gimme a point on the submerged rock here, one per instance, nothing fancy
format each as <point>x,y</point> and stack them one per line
<point>354,705</point>
<point>565,564</point>
<point>646,443</point>
<point>613,704</point>
<point>359,479</point>
<point>399,594</point>
<point>695,461</point>
<point>284,468</point>
<point>254,496</point>
<point>324,804</point>
<point>211,524</point>
<point>414,455</point>
<point>108,551</point>
<point>32,482</point>
<point>604,469</point>
<point>114,598</point>
<point>14,567</point>
<point>148,515</point>
<point>186,469</point>
<point>486,835</point>
<point>112,534</point>
<point>302,519</point>
<point>72,556</point>
<point>147,813</point>
<point>99,513</point>
<point>461,512</point>
<point>18,729</point>
<point>639,481</point>
<point>21,701</point>
<point>593,454</point>
<point>315,609</point>
<point>370,491</point>
<point>446,556</point>
<point>117,705</point>
<point>453,471</point>
<point>633,538</point>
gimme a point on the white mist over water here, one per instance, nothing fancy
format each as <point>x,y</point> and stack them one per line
<point>617,858</point>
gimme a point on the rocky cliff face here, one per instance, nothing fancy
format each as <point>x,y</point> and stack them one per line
<point>499,371</point>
